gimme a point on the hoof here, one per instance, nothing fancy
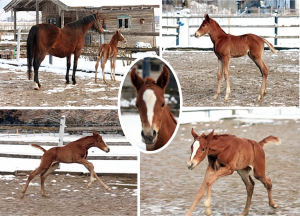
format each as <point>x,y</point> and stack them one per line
<point>274,206</point>
<point>22,196</point>
<point>67,82</point>
<point>36,86</point>
<point>259,98</point>
<point>45,195</point>
<point>74,83</point>
<point>207,211</point>
<point>107,188</point>
<point>215,97</point>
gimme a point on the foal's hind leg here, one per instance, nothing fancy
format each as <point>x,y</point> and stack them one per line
<point>245,175</point>
<point>260,175</point>
<point>44,176</point>
<point>264,72</point>
<point>103,66</point>
<point>30,177</point>
<point>96,67</point>
<point>220,73</point>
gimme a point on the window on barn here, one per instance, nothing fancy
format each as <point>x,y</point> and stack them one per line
<point>124,22</point>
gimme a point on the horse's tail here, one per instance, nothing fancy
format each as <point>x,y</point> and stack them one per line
<point>100,50</point>
<point>39,147</point>
<point>270,140</point>
<point>272,48</point>
<point>30,48</point>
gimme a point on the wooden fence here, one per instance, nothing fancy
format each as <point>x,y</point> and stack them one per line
<point>275,26</point>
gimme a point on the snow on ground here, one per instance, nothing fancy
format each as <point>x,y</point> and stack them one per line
<point>59,66</point>
<point>186,40</point>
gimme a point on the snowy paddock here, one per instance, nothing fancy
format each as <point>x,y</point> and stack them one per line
<point>197,74</point>
<point>168,187</point>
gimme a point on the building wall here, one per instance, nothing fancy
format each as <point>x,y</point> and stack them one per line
<point>110,19</point>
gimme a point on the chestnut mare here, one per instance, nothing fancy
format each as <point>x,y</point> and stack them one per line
<point>227,153</point>
<point>73,152</point>
<point>228,46</point>
<point>109,51</point>
<point>158,123</point>
<point>60,42</point>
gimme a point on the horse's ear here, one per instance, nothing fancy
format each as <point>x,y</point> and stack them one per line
<point>206,17</point>
<point>136,80</point>
<point>117,32</point>
<point>209,136</point>
<point>163,79</point>
<point>194,133</point>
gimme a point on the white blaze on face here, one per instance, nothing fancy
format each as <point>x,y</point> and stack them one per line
<point>196,146</point>
<point>150,98</point>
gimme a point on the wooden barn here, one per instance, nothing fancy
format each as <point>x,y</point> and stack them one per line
<point>136,21</point>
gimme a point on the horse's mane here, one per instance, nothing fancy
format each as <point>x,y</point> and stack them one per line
<point>149,80</point>
<point>84,20</point>
<point>217,24</point>
<point>222,135</point>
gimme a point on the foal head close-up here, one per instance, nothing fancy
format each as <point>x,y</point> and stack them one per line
<point>150,102</point>
<point>204,27</point>
<point>99,142</point>
<point>199,148</point>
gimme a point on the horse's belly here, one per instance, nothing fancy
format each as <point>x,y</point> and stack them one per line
<point>60,53</point>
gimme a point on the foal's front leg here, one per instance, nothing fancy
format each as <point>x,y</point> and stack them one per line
<point>220,73</point>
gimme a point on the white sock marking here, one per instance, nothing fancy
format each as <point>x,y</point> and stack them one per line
<point>150,99</point>
<point>196,145</point>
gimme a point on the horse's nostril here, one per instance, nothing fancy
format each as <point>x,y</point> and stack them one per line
<point>143,135</point>
<point>154,133</point>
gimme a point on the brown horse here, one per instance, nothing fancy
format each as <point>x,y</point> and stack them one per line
<point>73,152</point>
<point>158,123</point>
<point>59,42</point>
<point>109,51</point>
<point>228,46</point>
<point>227,153</point>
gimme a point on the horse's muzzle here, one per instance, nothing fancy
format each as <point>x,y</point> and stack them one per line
<point>150,137</point>
<point>107,150</point>
<point>190,165</point>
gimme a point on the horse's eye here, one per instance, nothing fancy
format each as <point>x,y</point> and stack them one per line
<point>163,104</point>
<point>136,106</point>
<point>203,25</point>
<point>203,149</point>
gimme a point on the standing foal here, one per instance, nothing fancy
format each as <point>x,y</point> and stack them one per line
<point>109,51</point>
<point>227,153</point>
<point>228,46</point>
<point>73,152</point>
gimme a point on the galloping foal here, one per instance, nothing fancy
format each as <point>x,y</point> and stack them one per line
<point>73,152</point>
<point>109,51</point>
<point>228,46</point>
<point>227,153</point>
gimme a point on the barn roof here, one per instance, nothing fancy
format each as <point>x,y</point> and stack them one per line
<point>71,5</point>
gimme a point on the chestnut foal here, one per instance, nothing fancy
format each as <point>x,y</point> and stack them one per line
<point>228,46</point>
<point>227,153</point>
<point>73,152</point>
<point>158,123</point>
<point>109,51</point>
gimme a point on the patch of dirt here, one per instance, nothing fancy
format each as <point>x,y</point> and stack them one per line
<point>69,196</point>
<point>17,91</point>
<point>168,187</point>
<point>197,74</point>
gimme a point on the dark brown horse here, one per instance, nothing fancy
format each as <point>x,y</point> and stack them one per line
<point>227,153</point>
<point>228,46</point>
<point>109,51</point>
<point>73,152</point>
<point>158,123</point>
<point>59,42</point>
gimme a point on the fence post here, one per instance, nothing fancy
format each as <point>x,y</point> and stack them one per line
<point>177,31</point>
<point>62,130</point>
<point>276,28</point>
<point>101,41</point>
<point>18,44</point>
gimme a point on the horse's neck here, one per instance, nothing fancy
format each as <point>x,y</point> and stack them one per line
<point>216,33</point>
<point>87,142</point>
<point>167,128</point>
<point>114,41</point>
<point>216,146</point>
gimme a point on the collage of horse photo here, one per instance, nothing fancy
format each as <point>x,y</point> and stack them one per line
<point>143,124</point>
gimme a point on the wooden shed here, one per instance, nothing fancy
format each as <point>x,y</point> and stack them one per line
<point>138,21</point>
